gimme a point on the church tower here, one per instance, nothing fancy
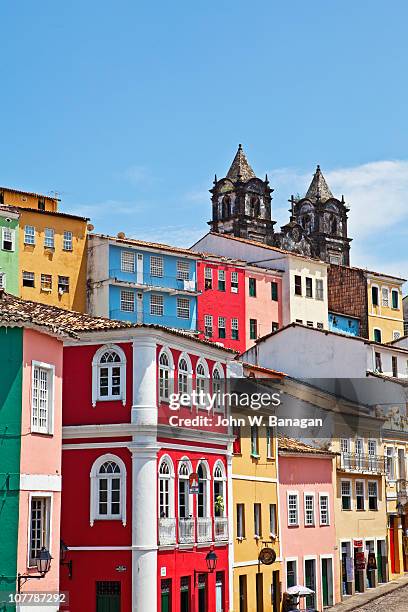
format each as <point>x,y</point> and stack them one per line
<point>241,203</point>
<point>323,219</point>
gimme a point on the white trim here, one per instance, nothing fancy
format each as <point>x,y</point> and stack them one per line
<point>292,493</point>
<point>95,374</point>
<point>40,482</point>
<point>349,480</point>
<point>250,563</point>
<point>327,556</point>
<point>285,569</point>
<point>364,494</point>
<point>94,493</point>
<point>50,497</point>
<point>89,445</point>
<point>51,395</point>
<point>253,478</point>
<point>171,480</point>
<point>313,495</point>
<point>325,494</point>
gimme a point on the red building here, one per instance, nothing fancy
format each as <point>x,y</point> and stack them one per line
<point>130,509</point>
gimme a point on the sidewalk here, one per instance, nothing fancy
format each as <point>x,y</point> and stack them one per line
<point>360,599</point>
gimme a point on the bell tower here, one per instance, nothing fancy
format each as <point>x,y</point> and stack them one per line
<point>241,203</point>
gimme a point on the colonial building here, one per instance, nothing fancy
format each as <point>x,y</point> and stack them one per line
<point>9,251</point>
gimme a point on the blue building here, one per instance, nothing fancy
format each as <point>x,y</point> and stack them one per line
<point>344,324</point>
<point>142,282</point>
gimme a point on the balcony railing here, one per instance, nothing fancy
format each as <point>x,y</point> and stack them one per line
<point>220,528</point>
<point>204,530</point>
<point>167,531</point>
<point>186,531</point>
<point>359,462</point>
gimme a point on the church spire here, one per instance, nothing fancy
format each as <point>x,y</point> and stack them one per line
<point>318,189</point>
<point>240,168</point>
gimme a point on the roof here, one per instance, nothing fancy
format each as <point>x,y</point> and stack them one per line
<point>394,379</point>
<point>146,244</point>
<point>50,212</point>
<point>240,168</point>
<point>30,193</point>
<point>366,271</point>
<point>19,312</point>
<point>270,371</point>
<point>289,445</point>
<point>319,189</point>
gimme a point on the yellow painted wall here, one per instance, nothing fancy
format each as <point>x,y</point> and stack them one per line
<point>386,318</point>
<point>392,504</point>
<point>28,200</point>
<point>249,491</point>
<point>40,260</point>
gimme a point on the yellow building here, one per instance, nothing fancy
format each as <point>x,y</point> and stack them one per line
<point>385,308</point>
<point>256,526</point>
<point>52,250</point>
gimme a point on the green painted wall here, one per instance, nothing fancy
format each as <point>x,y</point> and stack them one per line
<point>9,259</point>
<point>11,378</point>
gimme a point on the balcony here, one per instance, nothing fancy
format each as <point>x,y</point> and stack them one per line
<point>146,282</point>
<point>359,462</point>
<point>204,530</point>
<point>186,531</point>
<point>402,492</point>
<point>220,528</point>
<point>167,531</point>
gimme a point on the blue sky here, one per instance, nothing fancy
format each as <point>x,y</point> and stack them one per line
<point>127,109</point>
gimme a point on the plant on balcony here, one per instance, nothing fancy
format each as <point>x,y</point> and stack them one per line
<point>219,505</point>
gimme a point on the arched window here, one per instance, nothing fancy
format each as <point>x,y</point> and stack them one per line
<point>166,490</point>
<point>334,225</point>
<point>183,376</point>
<point>217,387</point>
<point>203,497</point>
<point>184,504</point>
<point>219,490</point>
<point>226,207</point>
<point>108,489</point>
<point>165,376</point>
<point>109,375</point>
<point>202,380</point>
<point>255,206</point>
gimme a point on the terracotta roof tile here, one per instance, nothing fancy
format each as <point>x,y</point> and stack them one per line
<point>296,446</point>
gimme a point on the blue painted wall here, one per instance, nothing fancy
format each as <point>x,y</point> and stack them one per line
<point>344,325</point>
<point>168,280</point>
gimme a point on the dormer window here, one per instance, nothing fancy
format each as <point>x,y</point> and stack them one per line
<point>109,375</point>
<point>41,204</point>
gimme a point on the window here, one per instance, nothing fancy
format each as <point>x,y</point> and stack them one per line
<point>346,495</point>
<point>254,441</point>
<point>183,490</point>
<point>395,298</point>
<point>319,289</point>
<point>46,282</point>
<point>378,364</point>
<point>299,321</point>
<point>252,287</point>
<point>241,521</point>
<point>63,284</point>
<point>335,259</point>
<point>390,462</point>
<point>309,323</point>
<point>29,234</point>
<point>127,300</point>
<point>108,489</point>
<point>28,279</point>
<point>309,287</point>
<point>49,238</point>
<point>274,291</point>
<point>396,335</point>
<point>164,376</point>
<point>377,335</point>
<point>275,326</point>
<point>208,278</point>
<point>257,521</point>
<point>360,495</point>
<point>385,297</point>
<point>42,400</point>
<point>394,360</point>
<point>39,527</point>
<point>273,521</point>
<point>309,510</point>
<point>234,329</point>
<point>156,305</point>
<point>183,308</point>
<point>373,495</point>
<point>359,449</point>
<point>8,239</point>
<point>183,376</point>
<point>324,509</point>
<point>298,285</point>
<point>41,204</point>
<point>234,282</point>
<point>203,491</point>
<point>127,261</point>
<point>218,489</point>
<point>109,363</point>
<point>201,381</point>
<point>374,296</point>
<point>156,266</point>
<point>3,280</point>
<point>217,388</point>
<point>291,574</point>
<point>67,241</point>
<point>236,432</point>
<point>183,270</point>
<point>252,329</point>
<point>221,280</point>
<point>221,327</point>
<point>208,326</point>
<point>293,509</point>
<point>166,509</point>
<point>319,325</point>
<point>269,443</point>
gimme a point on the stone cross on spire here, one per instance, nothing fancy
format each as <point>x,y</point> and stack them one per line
<point>240,168</point>
<point>318,189</point>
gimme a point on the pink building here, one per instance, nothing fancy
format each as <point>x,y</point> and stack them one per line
<point>308,537</point>
<point>263,303</point>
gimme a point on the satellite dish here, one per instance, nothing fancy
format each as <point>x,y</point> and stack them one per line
<point>90,227</point>
<point>121,235</point>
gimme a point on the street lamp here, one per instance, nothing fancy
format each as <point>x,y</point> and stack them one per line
<point>43,563</point>
<point>211,560</point>
<point>63,553</point>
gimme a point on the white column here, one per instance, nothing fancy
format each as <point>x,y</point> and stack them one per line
<point>144,450</point>
<point>230,507</point>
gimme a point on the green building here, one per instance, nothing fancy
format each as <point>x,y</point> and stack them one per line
<point>9,249</point>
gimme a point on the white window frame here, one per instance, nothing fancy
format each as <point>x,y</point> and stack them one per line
<point>183,472</point>
<point>49,238</point>
<point>159,306</point>
<point>376,496</point>
<point>63,286</point>
<point>398,294</point>
<point>360,481</point>
<point>351,494</point>
<point>170,369</point>
<point>385,297</point>
<point>126,293</point>
<point>127,261</point>
<point>204,379</point>
<point>219,386</point>
<point>29,236</point>
<point>208,326</point>
<point>94,485</point>
<point>183,269</point>
<point>95,375</point>
<point>185,384</point>
<point>183,308</point>
<point>67,241</point>
<point>324,495</point>
<point>12,238</point>
<point>206,489</point>
<point>234,282</point>
<point>310,495</point>
<point>390,456</point>
<point>47,542</point>
<point>289,522</point>
<point>257,520</point>
<point>31,277</point>
<point>235,327</point>
<point>170,478</point>
<point>241,521</point>
<point>222,479</point>
<point>50,369</point>
<point>157,266</point>
<point>296,562</point>
<point>319,289</point>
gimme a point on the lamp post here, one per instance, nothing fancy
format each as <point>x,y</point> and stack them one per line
<point>43,563</point>
<point>211,561</point>
<point>63,553</point>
